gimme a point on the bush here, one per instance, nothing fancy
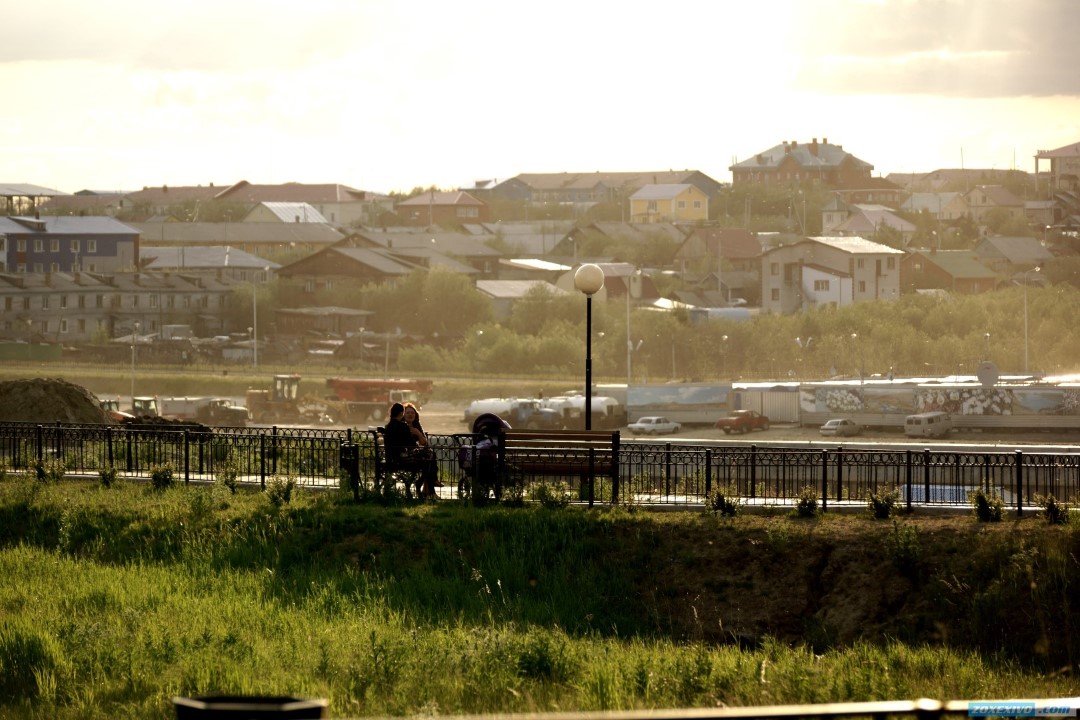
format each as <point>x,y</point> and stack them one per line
<point>161,476</point>
<point>227,473</point>
<point>902,547</point>
<point>108,476</point>
<point>49,470</point>
<point>988,506</point>
<point>724,501</point>
<point>884,505</point>
<point>1055,511</point>
<point>279,490</point>
<point>550,495</point>
<point>806,505</point>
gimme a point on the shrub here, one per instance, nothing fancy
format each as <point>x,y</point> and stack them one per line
<point>883,505</point>
<point>227,473</point>
<point>724,501</point>
<point>1055,511</point>
<point>161,476</point>
<point>988,506</point>
<point>902,547</point>
<point>806,505</point>
<point>108,476</point>
<point>550,495</point>
<point>279,490</point>
<point>49,470</point>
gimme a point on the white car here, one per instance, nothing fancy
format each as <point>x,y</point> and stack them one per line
<point>653,425</point>
<point>840,427</point>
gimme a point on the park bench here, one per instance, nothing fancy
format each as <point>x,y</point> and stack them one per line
<point>391,469</point>
<point>542,454</point>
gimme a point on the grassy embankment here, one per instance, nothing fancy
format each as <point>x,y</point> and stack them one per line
<point>116,599</point>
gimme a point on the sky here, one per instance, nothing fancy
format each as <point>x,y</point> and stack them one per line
<point>388,96</point>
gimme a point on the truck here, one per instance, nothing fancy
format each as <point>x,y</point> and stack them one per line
<point>206,410</point>
<point>278,404</point>
<point>362,399</point>
<point>519,412</point>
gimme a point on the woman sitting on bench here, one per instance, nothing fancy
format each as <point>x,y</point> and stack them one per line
<point>407,447</point>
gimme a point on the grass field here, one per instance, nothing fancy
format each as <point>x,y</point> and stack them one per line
<point>116,599</point>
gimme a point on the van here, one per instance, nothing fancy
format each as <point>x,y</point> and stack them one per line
<point>928,424</point>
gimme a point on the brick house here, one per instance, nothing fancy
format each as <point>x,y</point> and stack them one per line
<point>792,162</point>
<point>434,209</point>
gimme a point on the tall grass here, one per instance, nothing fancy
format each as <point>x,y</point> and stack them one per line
<point>116,599</point>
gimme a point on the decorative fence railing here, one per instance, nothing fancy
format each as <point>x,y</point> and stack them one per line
<point>650,473</point>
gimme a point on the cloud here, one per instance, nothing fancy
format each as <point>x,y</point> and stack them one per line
<point>958,48</point>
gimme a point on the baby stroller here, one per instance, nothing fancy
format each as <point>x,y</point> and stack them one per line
<point>479,460</point>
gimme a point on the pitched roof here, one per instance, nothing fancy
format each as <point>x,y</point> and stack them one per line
<point>66,225</point>
<point>961,264</point>
<point>450,243</point>
<point>292,212</point>
<point>514,289</point>
<point>665,191</point>
<point>856,245</point>
<point>1064,151</point>
<point>1017,250</point>
<point>456,198</point>
<point>929,201</point>
<point>200,257</point>
<point>731,243</point>
<point>812,156</point>
<point>868,218</point>
<point>166,194</point>
<point>587,181</point>
<point>26,190</point>
<point>313,193</point>
<point>998,195</point>
<point>237,233</point>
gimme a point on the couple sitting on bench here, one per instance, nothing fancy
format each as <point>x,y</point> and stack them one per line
<point>407,449</point>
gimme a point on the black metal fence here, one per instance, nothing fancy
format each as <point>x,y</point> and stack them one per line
<point>650,473</point>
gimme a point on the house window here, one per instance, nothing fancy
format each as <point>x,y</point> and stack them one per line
<point>44,327</point>
<point>20,245</point>
<point>54,245</point>
<point>63,326</point>
<point>39,245</point>
<point>468,212</point>
<point>774,268</point>
<point>918,267</point>
<point>91,246</point>
<point>170,301</point>
<point>99,301</point>
<point>651,206</point>
<point>54,267</point>
<point>7,303</point>
<point>775,295</point>
<point>82,326</point>
<point>82,302</point>
<point>697,204</point>
<point>3,244</point>
<point>21,267</point>
<point>39,268</point>
<point>44,302</point>
<point>309,286</point>
<point>862,286</point>
<point>153,301</point>
<point>91,267</point>
<point>859,263</point>
<point>890,263</point>
<point>821,286</point>
<point>63,302</point>
<point>682,204</point>
<point>26,303</point>
<point>134,301</point>
<point>74,246</point>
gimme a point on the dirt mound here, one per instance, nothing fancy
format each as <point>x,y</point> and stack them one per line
<point>49,400</point>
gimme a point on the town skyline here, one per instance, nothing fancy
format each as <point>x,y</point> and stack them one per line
<point>386,98</point>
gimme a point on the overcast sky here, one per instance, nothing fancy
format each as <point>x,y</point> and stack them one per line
<point>383,96</point>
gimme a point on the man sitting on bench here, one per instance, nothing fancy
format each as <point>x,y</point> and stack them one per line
<point>404,451</point>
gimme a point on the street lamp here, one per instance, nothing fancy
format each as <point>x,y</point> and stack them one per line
<point>255,319</point>
<point>723,356</point>
<point>1037,268</point>
<point>862,370</point>
<point>629,342</point>
<point>589,279</point>
<point>986,353</point>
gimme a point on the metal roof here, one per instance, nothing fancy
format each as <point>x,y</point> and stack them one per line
<point>292,212</point>
<point>25,190</point>
<point>857,245</point>
<point>66,225</point>
<point>217,256</point>
<point>660,192</point>
<point>514,289</point>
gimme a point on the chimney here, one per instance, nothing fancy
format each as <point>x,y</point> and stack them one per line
<point>813,148</point>
<point>824,141</point>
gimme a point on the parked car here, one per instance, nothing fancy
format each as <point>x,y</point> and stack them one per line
<point>841,427</point>
<point>653,425</point>
<point>742,421</point>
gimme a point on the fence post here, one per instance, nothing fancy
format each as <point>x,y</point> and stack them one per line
<point>753,471</point>
<point>708,472</point>
<point>187,463</point>
<point>40,444</point>
<point>615,466</point>
<point>274,449</point>
<point>909,476</point>
<point>1019,483</point>
<point>667,470</point>
<point>592,476</point>
<point>926,476</point>
<point>839,473</point>
<point>262,460</point>
<point>825,478</point>
<point>130,460</point>
<point>109,446</point>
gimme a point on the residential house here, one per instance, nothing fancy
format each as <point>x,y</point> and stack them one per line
<point>165,200</point>
<point>585,189</point>
<point>504,294</point>
<point>1064,171</point>
<point>534,238</point>
<point>955,270</point>
<point>674,203</point>
<point>821,271</point>
<point>344,266</point>
<point>610,234</point>
<point>458,251</point>
<point>324,321</point>
<point>621,281</point>
<point>942,206</point>
<point>84,202</point>
<point>340,205</point>
<point>869,190</point>
<point>952,179</point>
<point>530,269</point>
<point>281,242</point>
<point>442,209</point>
<point>870,220</point>
<point>791,163</point>
<point>725,259</point>
<point>1010,255</point>
<point>220,261</point>
<point>80,307</point>
<point>65,243</point>
<point>984,199</point>
<point>284,212</point>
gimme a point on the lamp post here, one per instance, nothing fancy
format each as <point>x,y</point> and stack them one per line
<point>986,352</point>
<point>723,356</point>
<point>1026,316</point>
<point>858,348</point>
<point>589,279</point>
<point>629,342</point>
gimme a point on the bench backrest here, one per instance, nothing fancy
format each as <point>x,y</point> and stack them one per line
<point>603,440</point>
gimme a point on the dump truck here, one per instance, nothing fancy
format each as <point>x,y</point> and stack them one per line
<point>362,399</point>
